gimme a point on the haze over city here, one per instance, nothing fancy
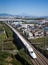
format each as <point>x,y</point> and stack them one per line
<point>24,7</point>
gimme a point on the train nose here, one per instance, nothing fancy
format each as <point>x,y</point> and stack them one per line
<point>33,55</point>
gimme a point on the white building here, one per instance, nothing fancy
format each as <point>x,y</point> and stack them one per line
<point>26,25</point>
<point>28,34</point>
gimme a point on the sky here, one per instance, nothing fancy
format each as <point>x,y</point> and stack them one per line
<point>24,7</point>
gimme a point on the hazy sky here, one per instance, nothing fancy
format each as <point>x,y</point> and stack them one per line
<point>30,7</point>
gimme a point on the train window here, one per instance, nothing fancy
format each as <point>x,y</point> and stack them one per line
<point>31,51</point>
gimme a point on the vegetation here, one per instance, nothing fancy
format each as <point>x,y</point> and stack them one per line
<point>1,27</point>
<point>7,58</point>
<point>8,31</point>
<point>41,44</point>
<point>40,40</point>
<point>24,58</point>
<point>6,39</point>
<point>2,36</point>
<point>46,24</point>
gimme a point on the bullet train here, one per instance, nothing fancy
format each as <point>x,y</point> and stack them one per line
<point>30,50</point>
<point>26,44</point>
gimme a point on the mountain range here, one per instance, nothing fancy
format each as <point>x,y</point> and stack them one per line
<point>23,15</point>
<point>5,14</point>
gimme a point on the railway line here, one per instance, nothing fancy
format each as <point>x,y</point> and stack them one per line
<point>40,60</point>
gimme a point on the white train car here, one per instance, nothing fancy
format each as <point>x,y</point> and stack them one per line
<point>29,48</point>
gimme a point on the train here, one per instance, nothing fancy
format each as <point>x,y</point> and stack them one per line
<point>30,50</point>
<point>24,41</point>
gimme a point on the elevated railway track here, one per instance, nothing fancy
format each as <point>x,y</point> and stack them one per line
<point>41,59</point>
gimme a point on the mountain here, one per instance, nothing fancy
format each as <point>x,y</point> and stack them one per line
<point>26,15</point>
<point>5,14</point>
<point>21,15</point>
<point>44,16</point>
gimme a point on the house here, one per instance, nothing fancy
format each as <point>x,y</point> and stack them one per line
<point>28,34</point>
<point>38,33</point>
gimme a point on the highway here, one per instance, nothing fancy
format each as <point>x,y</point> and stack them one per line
<point>41,59</point>
<point>10,19</point>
